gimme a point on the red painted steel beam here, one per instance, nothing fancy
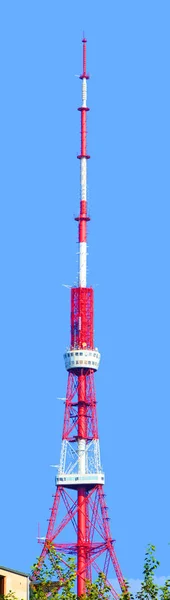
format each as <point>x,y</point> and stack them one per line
<point>113,591</point>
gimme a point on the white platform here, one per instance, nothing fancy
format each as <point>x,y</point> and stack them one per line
<point>76,479</point>
<point>82,359</point>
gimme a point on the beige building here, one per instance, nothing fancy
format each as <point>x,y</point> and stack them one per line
<point>14,581</point>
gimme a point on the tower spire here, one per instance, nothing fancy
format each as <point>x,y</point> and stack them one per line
<point>80,478</point>
<point>83,157</point>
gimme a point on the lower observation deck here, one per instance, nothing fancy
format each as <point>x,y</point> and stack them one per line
<point>75,479</point>
<point>82,359</point>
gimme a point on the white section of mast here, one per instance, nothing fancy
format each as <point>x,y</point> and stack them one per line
<point>81,456</point>
<point>82,264</point>
<point>83,179</point>
<point>84,92</point>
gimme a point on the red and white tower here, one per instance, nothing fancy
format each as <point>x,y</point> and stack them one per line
<point>80,477</point>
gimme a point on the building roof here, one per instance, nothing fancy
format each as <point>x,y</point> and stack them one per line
<point>14,571</point>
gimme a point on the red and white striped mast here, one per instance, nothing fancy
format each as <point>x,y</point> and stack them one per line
<point>80,478</point>
<point>83,218</point>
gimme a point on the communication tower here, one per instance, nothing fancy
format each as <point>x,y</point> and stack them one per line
<point>80,478</point>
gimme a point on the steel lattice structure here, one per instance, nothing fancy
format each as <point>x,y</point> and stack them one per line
<point>80,478</point>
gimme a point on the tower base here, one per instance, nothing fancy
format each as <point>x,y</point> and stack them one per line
<point>93,545</point>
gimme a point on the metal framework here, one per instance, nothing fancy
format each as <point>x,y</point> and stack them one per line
<point>82,321</point>
<point>80,477</point>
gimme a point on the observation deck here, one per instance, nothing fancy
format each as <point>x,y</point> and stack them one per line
<point>75,479</point>
<point>82,359</point>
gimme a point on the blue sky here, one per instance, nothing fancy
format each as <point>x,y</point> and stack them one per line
<point>129,249</point>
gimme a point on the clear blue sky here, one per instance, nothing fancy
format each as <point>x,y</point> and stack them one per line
<point>129,252</point>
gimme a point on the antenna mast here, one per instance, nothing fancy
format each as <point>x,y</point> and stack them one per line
<point>83,157</point>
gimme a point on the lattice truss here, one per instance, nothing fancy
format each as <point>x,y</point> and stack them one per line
<point>98,542</point>
<point>100,552</point>
<point>69,450</point>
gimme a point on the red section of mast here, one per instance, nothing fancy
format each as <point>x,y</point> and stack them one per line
<point>84,57</point>
<point>84,74</point>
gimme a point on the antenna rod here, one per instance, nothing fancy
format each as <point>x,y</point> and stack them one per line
<point>83,157</point>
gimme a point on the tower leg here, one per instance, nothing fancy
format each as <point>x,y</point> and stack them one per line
<point>81,555</point>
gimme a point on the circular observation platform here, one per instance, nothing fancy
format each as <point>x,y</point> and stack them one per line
<point>82,359</point>
<point>74,480</point>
